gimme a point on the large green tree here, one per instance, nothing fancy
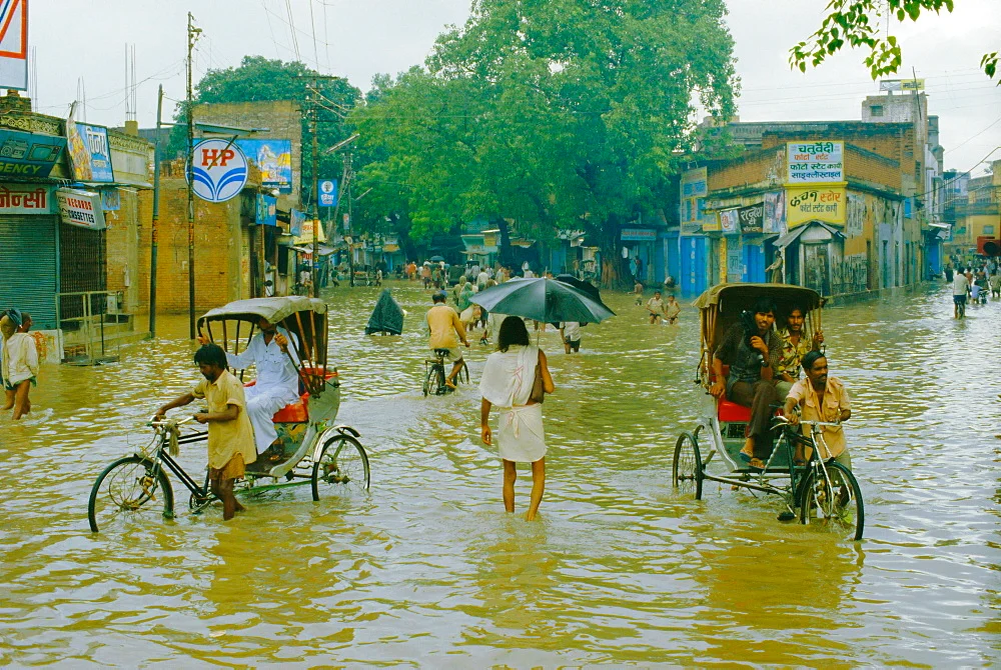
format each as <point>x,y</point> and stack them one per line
<point>551,113</point>
<point>866,24</point>
<point>258,78</point>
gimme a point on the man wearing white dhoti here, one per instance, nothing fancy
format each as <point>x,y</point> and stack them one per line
<point>507,382</point>
<point>277,382</point>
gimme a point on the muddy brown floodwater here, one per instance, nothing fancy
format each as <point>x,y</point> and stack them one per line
<point>427,570</point>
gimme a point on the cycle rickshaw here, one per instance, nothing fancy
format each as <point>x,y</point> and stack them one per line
<point>313,449</point>
<point>820,492</point>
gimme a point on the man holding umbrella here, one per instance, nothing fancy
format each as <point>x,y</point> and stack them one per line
<point>446,333</point>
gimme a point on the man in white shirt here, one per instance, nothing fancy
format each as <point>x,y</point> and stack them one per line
<point>481,280</point>
<point>960,286</point>
<point>277,383</point>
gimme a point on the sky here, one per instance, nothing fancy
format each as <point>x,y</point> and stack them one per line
<point>79,47</point>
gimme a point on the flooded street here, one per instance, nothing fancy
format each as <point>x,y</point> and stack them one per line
<point>427,570</point>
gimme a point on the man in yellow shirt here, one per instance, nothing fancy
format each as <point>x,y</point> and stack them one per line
<point>446,333</point>
<point>231,437</point>
<point>821,398</point>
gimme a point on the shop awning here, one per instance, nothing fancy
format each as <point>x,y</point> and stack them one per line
<point>793,235</point>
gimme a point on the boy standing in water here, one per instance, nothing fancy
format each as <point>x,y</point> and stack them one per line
<point>231,437</point>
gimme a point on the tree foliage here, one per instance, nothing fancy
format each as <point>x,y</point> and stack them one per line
<point>552,113</point>
<point>257,79</point>
<point>865,24</point>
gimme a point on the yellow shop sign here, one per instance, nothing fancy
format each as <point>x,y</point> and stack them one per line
<point>804,204</point>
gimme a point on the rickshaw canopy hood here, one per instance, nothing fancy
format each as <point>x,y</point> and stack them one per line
<point>784,296</point>
<point>275,310</point>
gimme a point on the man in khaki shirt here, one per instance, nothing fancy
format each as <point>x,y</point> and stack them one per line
<point>446,333</point>
<point>231,437</point>
<point>821,398</point>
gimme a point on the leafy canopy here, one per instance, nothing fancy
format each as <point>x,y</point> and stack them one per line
<point>865,24</point>
<point>553,113</point>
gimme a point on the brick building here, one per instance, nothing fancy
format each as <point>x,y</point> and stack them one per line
<point>850,206</point>
<point>69,222</point>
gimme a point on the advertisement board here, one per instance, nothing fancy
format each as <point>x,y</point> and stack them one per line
<point>825,204</point>
<point>90,154</point>
<point>273,158</point>
<point>25,199</point>
<point>775,213</point>
<point>815,162</point>
<point>693,190</point>
<point>14,44</point>
<point>80,208</point>
<point>266,211</point>
<point>328,193</point>
<point>729,220</point>
<point>752,218</point>
<point>295,222</point>
<point>28,154</point>
<point>219,169</point>
<point>638,235</point>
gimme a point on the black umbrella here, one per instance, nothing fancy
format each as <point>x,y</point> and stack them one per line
<point>387,317</point>
<point>585,286</point>
<point>436,259</point>
<point>543,300</point>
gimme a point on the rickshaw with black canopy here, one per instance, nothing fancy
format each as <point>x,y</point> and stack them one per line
<point>822,491</point>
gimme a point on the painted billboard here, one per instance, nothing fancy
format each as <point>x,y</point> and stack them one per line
<point>28,154</point>
<point>14,44</point>
<point>815,162</point>
<point>825,204</point>
<point>274,159</point>
<point>90,154</point>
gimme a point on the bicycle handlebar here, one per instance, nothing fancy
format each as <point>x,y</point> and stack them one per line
<point>179,422</point>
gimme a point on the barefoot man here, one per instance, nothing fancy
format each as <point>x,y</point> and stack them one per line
<point>231,439</point>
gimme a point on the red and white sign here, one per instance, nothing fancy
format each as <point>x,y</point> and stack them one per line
<point>80,208</point>
<point>219,170</point>
<point>25,199</point>
<point>14,44</point>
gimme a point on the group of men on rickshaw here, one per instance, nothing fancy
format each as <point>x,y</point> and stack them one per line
<point>764,372</point>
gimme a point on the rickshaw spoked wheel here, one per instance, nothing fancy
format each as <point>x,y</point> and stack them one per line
<point>341,469</point>
<point>834,503</point>
<point>130,489</point>
<point>686,471</point>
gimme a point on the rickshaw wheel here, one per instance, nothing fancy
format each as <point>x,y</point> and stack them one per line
<point>130,489</point>
<point>686,472</point>
<point>341,469</point>
<point>834,503</point>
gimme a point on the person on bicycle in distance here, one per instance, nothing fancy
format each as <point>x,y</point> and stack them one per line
<point>751,348</point>
<point>821,397</point>
<point>446,332</point>
<point>231,439</point>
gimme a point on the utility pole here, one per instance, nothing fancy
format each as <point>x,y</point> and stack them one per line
<point>313,118</point>
<point>314,265</point>
<point>189,168</point>
<point>156,216</point>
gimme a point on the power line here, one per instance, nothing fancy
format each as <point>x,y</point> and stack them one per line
<point>292,30</point>
<point>312,29</point>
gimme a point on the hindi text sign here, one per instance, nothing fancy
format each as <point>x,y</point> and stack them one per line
<point>815,162</point>
<point>822,203</point>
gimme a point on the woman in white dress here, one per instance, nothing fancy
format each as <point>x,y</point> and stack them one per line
<point>508,381</point>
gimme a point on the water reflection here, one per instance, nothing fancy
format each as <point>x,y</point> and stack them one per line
<point>428,569</point>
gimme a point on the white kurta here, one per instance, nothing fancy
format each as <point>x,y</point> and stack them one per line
<point>507,383</point>
<point>277,383</point>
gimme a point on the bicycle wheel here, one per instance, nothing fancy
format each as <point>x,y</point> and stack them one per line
<point>341,469</point>
<point>686,471</point>
<point>130,489</point>
<point>834,502</point>
<point>428,376</point>
<point>439,387</point>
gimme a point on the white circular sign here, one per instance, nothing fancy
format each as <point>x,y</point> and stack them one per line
<point>219,170</point>
<point>327,186</point>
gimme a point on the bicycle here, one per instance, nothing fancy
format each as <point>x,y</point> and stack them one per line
<point>137,486</point>
<point>435,375</point>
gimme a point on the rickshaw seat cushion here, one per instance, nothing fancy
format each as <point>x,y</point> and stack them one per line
<point>297,412</point>
<point>731,412</point>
